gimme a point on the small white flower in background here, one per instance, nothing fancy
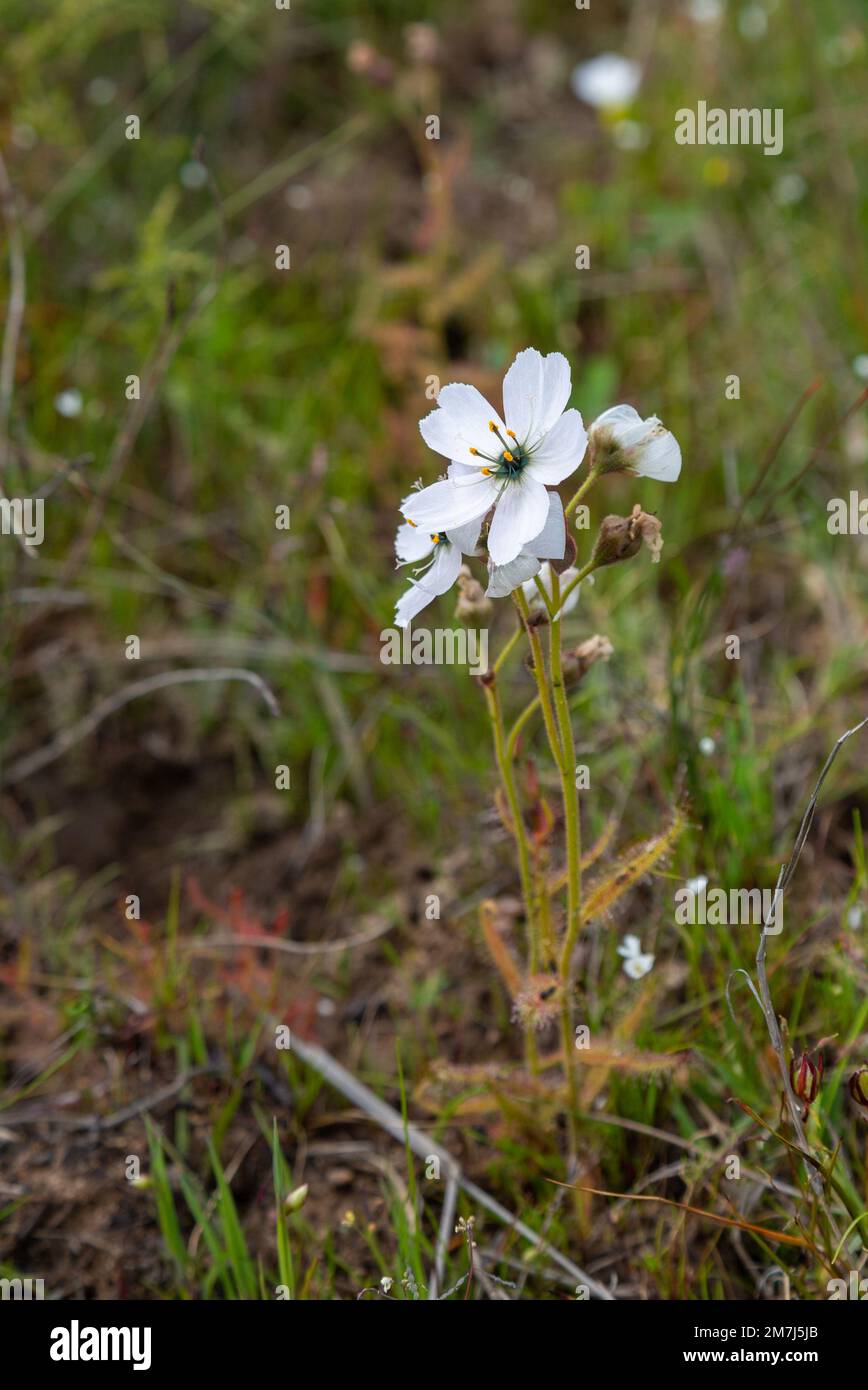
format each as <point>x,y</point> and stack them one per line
<point>550,544</point>
<point>790,188</point>
<point>697,885</point>
<point>860,365</point>
<point>440,574</point>
<point>386,1283</point>
<point>69,403</point>
<point>608,82</point>
<point>753,22</point>
<point>621,441</point>
<point>707,746</point>
<point>635,963</point>
<point>532,593</point>
<point>854,916</point>
<point>704,11</point>
<point>505,465</point>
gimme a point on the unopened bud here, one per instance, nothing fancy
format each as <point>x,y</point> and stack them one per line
<point>296,1200</point>
<point>858,1087</point>
<point>805,1078</point>
<point>472,602</point>
<point>620,537</point>
<point>577,663</point>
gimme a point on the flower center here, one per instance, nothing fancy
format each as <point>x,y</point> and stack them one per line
<point>509,463</point>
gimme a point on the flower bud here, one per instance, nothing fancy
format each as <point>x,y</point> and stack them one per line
<point>620,537</point>
<point>472,602</point>
<point>805,1078</point>
<point>296,1200</point>
<point>577,663</point>
<point>858,1087</point>
<point>620,441</point>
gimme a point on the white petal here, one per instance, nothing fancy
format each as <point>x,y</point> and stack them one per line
<point>518,517</point>
<point>439,577</point>
<point>523,395</point>
<point>617,418</point>
<point>660,458</point>
<point>444,571</point>
<point>561,450</point>
<point>460,422</point>
<point>464,538</point>
<point>608,81</point>
<point>412,602</point>
<point>445,505</point>
<point>637,966</point>
<point>504,578</point>
<point>556,390</point>
<point>412,544</point>
<point>630,946</point>
<point>551,542</point>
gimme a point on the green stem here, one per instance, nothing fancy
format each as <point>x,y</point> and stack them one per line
<point>579,494</point>
<point>504,767</point>
<point>540,676</point>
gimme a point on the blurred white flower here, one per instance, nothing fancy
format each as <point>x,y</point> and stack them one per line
<point>704,11</point>
<point>860,365</point>
<point>789,189</point>
<point>621,440</point>
<point>508,466</point>
<point>69,403</point>
<point>532,594</point>
<point>707,746</point>
<point>608,82</point>
<point>854,916</point>
<point>440,573</point>
<point>635,963</point>
<point>753,22</point>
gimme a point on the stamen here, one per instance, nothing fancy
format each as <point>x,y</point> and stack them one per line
<point>486,472</point>
<point>471,450</point>
<point>510,458</point>
<point>435,538</point>
<point>410,523</point>
<point>512,434</point>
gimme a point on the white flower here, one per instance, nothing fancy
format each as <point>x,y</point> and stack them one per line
<point>609,81</point>
<point>440,573</point>
<point>69,403</point>
<point>707,746</point>
<point>635,963</point>
<point>508,466</point>
<point>621,440</point>
<point>550,544</point>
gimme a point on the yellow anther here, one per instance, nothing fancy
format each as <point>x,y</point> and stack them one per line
<point>471,450</point>
<point>508,456</point>
<point>435,538</point>
<point>492,426</point>
<point>486,472</point>
<point>511,434</point>
<point>411,523</point>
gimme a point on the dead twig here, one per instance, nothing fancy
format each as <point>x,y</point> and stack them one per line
<point>765,999</point>
<point>42,757</point>
<point>423,1146</point>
